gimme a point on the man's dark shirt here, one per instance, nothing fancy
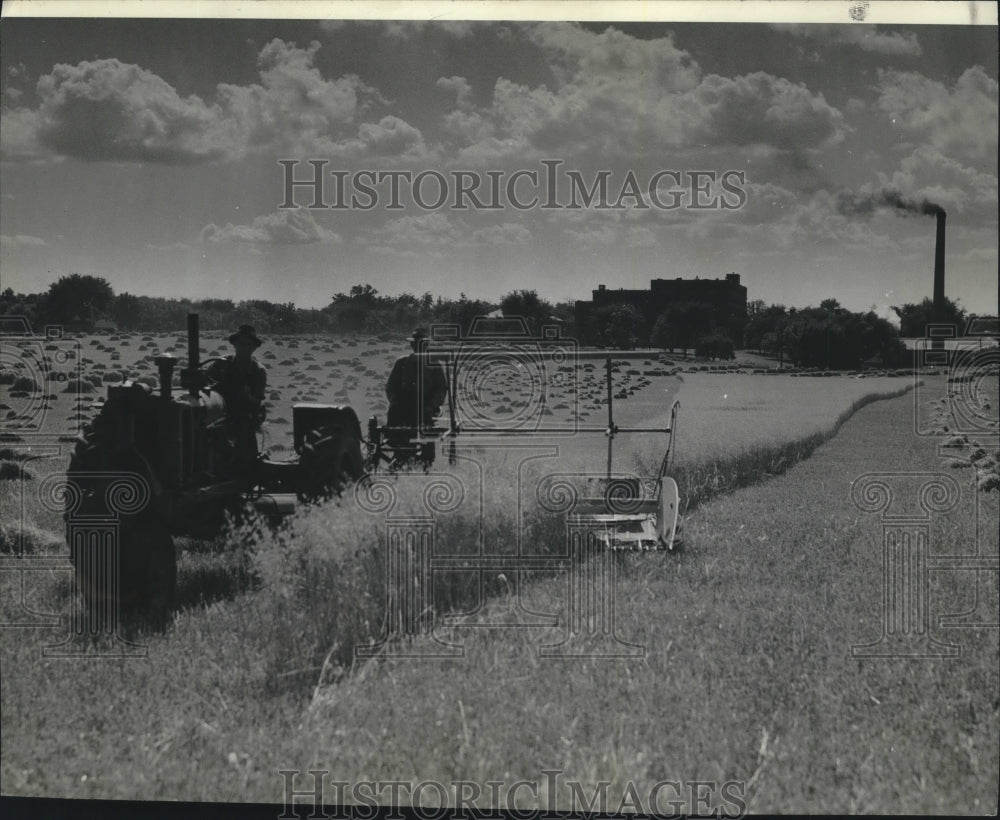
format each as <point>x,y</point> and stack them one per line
<point>243,388</point>
<point>416,390</point>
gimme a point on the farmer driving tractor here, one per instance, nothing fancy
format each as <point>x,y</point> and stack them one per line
<point>242,382</point>
<point>416,389</point>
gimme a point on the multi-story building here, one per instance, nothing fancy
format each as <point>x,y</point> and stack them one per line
<point>726,297</point>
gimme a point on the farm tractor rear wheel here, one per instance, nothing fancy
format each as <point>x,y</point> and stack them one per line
<point>330,462</point>
<point>144,580</point>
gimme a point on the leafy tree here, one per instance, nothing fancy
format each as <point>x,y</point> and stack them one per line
<point>914,317</point>
<point>360,294</point>
<point>528,305</point>
<point>660,335</point>
<point>349,311</point>
<point>20,304</point>
<point>770,342</point>
<point>125,311</point>
<point>364,294</point>
<point>77,297</point>
<point>764,327</point>
<point>566,313</point>
<point>462,312</point>
<point>220,305</point>
<point>715,346</point>
<point>819,337</point>
<point>686,321</point>
<point>619,326</point>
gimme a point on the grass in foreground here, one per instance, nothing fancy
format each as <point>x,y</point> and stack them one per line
<point>747,675</point>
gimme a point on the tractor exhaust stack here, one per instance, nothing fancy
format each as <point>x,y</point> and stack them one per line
<point>165,365</point>
<point>194,361</point>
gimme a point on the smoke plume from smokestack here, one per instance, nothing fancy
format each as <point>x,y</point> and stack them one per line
<point>850,204</point>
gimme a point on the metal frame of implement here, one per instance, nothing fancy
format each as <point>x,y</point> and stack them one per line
<point>634,515</point>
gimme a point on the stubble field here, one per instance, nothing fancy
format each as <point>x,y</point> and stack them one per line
<point>746,674</point>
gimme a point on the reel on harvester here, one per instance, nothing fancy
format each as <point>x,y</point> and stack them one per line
<point>629,513</point>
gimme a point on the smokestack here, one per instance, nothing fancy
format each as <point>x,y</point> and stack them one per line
<point>938,311</point>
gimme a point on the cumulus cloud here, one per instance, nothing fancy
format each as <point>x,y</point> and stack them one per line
<point>618,95</point>
<point>865,37</point>
<point>884,311</point>
<point>928,174</point>
<point>292,227</point>
<point>426,230</point>
<point>817,221</point>
<point>761,108</point>
<point>987,255</point>
<point>293,106</point>
<point>404,29</point>
<point>612,57</point>
<point>21,241</point>
<point>169,247</point>
<point>507,233</point>
<point>612,233</point>
<point>390,136</point>
<point>434,234</point>
<point>110,110</point>
<point>613,95</point>
<point>960,121</point>
<point>19,135</point>
<point>460,87</point>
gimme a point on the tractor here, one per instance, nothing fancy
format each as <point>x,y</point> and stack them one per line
<point>158,463</point>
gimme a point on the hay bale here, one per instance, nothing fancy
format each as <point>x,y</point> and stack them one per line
<point>24,383</point>
<point>30,539</point>
<point>78,386</point>
<point>14,471</point>
<point>988,482</point>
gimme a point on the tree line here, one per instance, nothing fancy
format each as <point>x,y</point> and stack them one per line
<point>82,303</point>
<point>824,336</point>
<point>832,336</point>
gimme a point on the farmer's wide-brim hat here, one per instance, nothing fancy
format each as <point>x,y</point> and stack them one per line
<point>418,335</point>
<point>246,333</point>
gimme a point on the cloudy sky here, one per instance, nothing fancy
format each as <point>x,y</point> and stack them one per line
<point>148,152</point>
